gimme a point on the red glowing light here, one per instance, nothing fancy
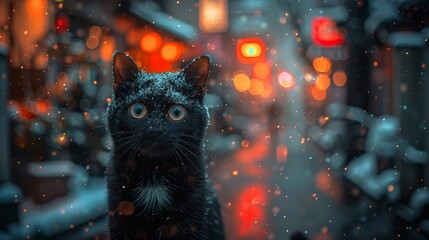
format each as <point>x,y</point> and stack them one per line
<point>157,64</point>
<point>250,212</point>
<point>62,23</point>
<point>324,32</point>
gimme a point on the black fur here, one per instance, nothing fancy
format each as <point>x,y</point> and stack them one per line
<point>157,182</point>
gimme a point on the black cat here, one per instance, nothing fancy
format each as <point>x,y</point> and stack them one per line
<point>157,182</point>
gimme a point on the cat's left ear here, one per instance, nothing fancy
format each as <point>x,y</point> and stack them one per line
<point>124,69</point>
<point>196,73</point>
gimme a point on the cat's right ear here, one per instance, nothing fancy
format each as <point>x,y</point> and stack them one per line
<point>124,69</point>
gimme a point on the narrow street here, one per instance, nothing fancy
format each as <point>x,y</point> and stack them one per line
<point>281,182</point>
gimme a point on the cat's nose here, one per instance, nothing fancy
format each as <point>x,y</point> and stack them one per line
<point>156,131</point>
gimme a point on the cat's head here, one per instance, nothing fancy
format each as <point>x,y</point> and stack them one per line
<point>155,114</point>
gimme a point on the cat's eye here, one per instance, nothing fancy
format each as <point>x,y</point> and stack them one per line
<point>138,110</point>
<point>176,112</point>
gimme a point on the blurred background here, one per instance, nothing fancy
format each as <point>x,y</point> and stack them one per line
<point>319,112</point>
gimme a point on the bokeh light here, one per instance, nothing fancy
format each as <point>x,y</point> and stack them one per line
<point>281,153</point>
<point>261,70</point>
<point>339,78</point>
<point>171,51</point>
<point>322,64</point>
<point>91,42</point>
<point>95,31</point>
<point>322,81</point>
<point>151,42</point>
<point>318,94</point>
<point>241,82</point>
<point>286,80</point>
<point>268,90</point>
<point>308,77</point>
<point>251,50</point>
<point>256,87</point>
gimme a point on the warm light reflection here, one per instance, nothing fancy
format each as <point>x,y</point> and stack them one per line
<point>241,82</point>
<point>151,42</point>
<point>281,153</point>
<point>250,212</point>
<point>322,64</point>
<point>286,80</point>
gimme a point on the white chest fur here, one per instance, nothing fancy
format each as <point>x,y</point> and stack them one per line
<point>153,198</point>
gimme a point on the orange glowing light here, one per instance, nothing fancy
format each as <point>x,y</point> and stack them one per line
<point>171,51</point>
<point>308,77</point>
<point>107,47</point>
<point>286,80</point>
<point>268,90</point>
<point>322,64</point>
<point>256,87</point>
<point>281,153</point>
<point>261,70</point>
<point>151,42</point>
<point>340,78</point>
<point>245,143</point>
<point>323,82</point>
<point>318,94</point>
<point>250,50</point>
<point>234,173</point>
<point>241,82</point>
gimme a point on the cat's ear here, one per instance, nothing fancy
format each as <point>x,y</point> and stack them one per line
<point>124,69</point>
<point>196,73</point>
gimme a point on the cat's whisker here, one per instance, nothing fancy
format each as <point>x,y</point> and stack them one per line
<point>136,147</point>
<point>132,143</point>
<point>184,136</point>
<point>182,150</point>
<point>188,150</point>
<point>190,144</point>
<point>181,161</point>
